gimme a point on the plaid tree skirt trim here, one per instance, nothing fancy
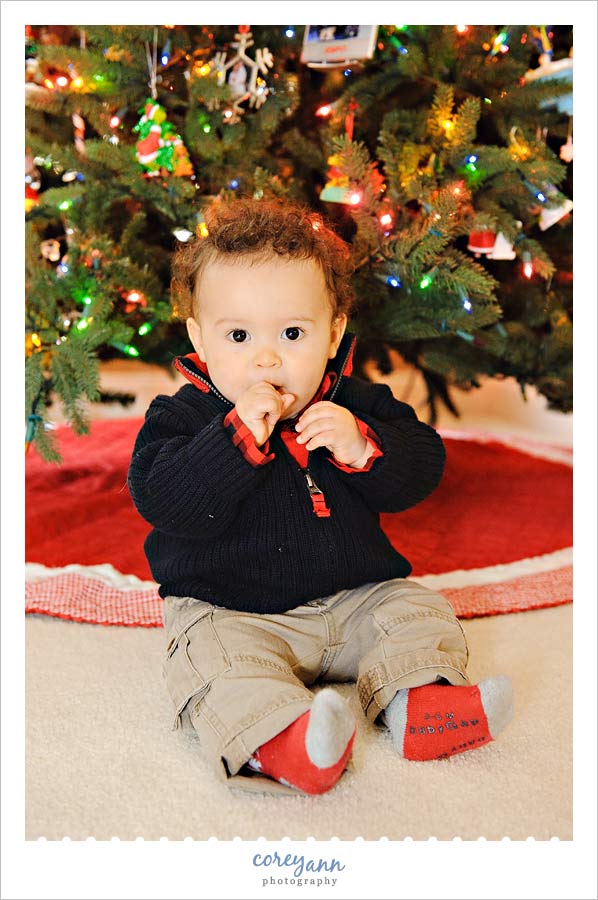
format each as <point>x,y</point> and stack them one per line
<point>103,596</point>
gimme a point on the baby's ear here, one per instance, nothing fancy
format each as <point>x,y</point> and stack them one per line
<point>194,332</point>
<point>337,330</point>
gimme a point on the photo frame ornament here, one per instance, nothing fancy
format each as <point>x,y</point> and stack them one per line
<point>336,46</point>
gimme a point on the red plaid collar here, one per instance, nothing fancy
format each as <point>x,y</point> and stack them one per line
<point>196,371</point>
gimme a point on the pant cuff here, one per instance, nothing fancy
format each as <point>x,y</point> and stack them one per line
<point>377,686</point>
<point>237,751</point>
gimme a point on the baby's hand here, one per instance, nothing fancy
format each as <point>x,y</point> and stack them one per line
<point>327,425</point>
<point>260,407</point>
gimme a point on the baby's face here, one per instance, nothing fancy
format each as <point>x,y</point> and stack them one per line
<point>270,321</point>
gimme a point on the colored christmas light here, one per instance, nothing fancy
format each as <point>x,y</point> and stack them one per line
<point>465,301</point>
<point>66,204</point>
<point>528,266</point>
<point>125,348</point>
<point>234,184</point>
<point>355,198</point>
<point>144,329</point>
<point>385,219</point>
<point>203,229</point>
<point>165,56</point>
<point>462,29</point>
<point>135,297</point>
<point>538,194</point>
<point>398,45</point>
<point>290,32</point>
<point>425,282</point>
<point>499,45</point>
<point>324,110</point>
<point>393,281</point>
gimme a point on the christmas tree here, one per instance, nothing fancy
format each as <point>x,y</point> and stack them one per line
<point>444,158</point>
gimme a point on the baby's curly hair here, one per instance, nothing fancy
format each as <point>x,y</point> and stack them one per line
<point>262,229</point>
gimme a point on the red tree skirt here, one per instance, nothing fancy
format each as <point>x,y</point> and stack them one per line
<point>495,537</point>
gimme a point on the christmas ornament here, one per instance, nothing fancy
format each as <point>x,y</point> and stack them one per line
<point>350,118</point>
<point>550,215</point>
<point>502,249</point>
<point>31,198</point>
<point>118,54</point>
<point>79,130</point>
<point>243,79</point>
<point>160,149</point>
<point>481,242</point>
<point>92,258</point>
<point>566,151</point>
<point>337,188</point>
<point>32,183</point>
<point>33,74</point>
<point>50,249</point>
<point>560,70</point>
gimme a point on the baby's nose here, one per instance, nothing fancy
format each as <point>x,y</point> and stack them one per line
<point>267,359</point>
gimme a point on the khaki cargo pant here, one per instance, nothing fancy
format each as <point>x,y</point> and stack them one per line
<point>242,677</point>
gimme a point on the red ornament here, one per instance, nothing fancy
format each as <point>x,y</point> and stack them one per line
<point>31,198</point>
<point>481,242</point>
<point>350,118</point>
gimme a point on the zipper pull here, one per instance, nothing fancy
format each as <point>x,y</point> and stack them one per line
<point>318,499</point>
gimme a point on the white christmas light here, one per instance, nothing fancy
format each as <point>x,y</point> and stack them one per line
<point>182,234</point>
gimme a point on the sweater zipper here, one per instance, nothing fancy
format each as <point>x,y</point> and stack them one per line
<point>207,383</point>
<point>318,500</point>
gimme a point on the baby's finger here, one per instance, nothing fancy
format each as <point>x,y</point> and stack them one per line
<point>323,409</point>
<point>322,439</point>
<point>314,428</point>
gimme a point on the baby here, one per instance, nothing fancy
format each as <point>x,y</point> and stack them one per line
<point>263,479</point>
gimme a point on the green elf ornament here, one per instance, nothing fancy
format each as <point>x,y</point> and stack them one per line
<point>159,148</point>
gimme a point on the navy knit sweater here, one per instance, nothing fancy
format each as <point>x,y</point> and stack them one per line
<point>246,536</point>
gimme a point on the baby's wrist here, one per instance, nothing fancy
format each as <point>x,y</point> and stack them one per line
<point>362,455</point>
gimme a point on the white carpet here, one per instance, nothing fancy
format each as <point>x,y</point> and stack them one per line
<point>103,762</point>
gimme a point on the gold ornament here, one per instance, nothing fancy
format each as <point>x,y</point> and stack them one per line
<point>117,54</point>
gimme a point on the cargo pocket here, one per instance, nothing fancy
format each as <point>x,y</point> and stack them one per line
<point>195,657</point>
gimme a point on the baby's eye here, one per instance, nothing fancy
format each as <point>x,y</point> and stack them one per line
<point>293,334</point>
<point>238,335</point>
